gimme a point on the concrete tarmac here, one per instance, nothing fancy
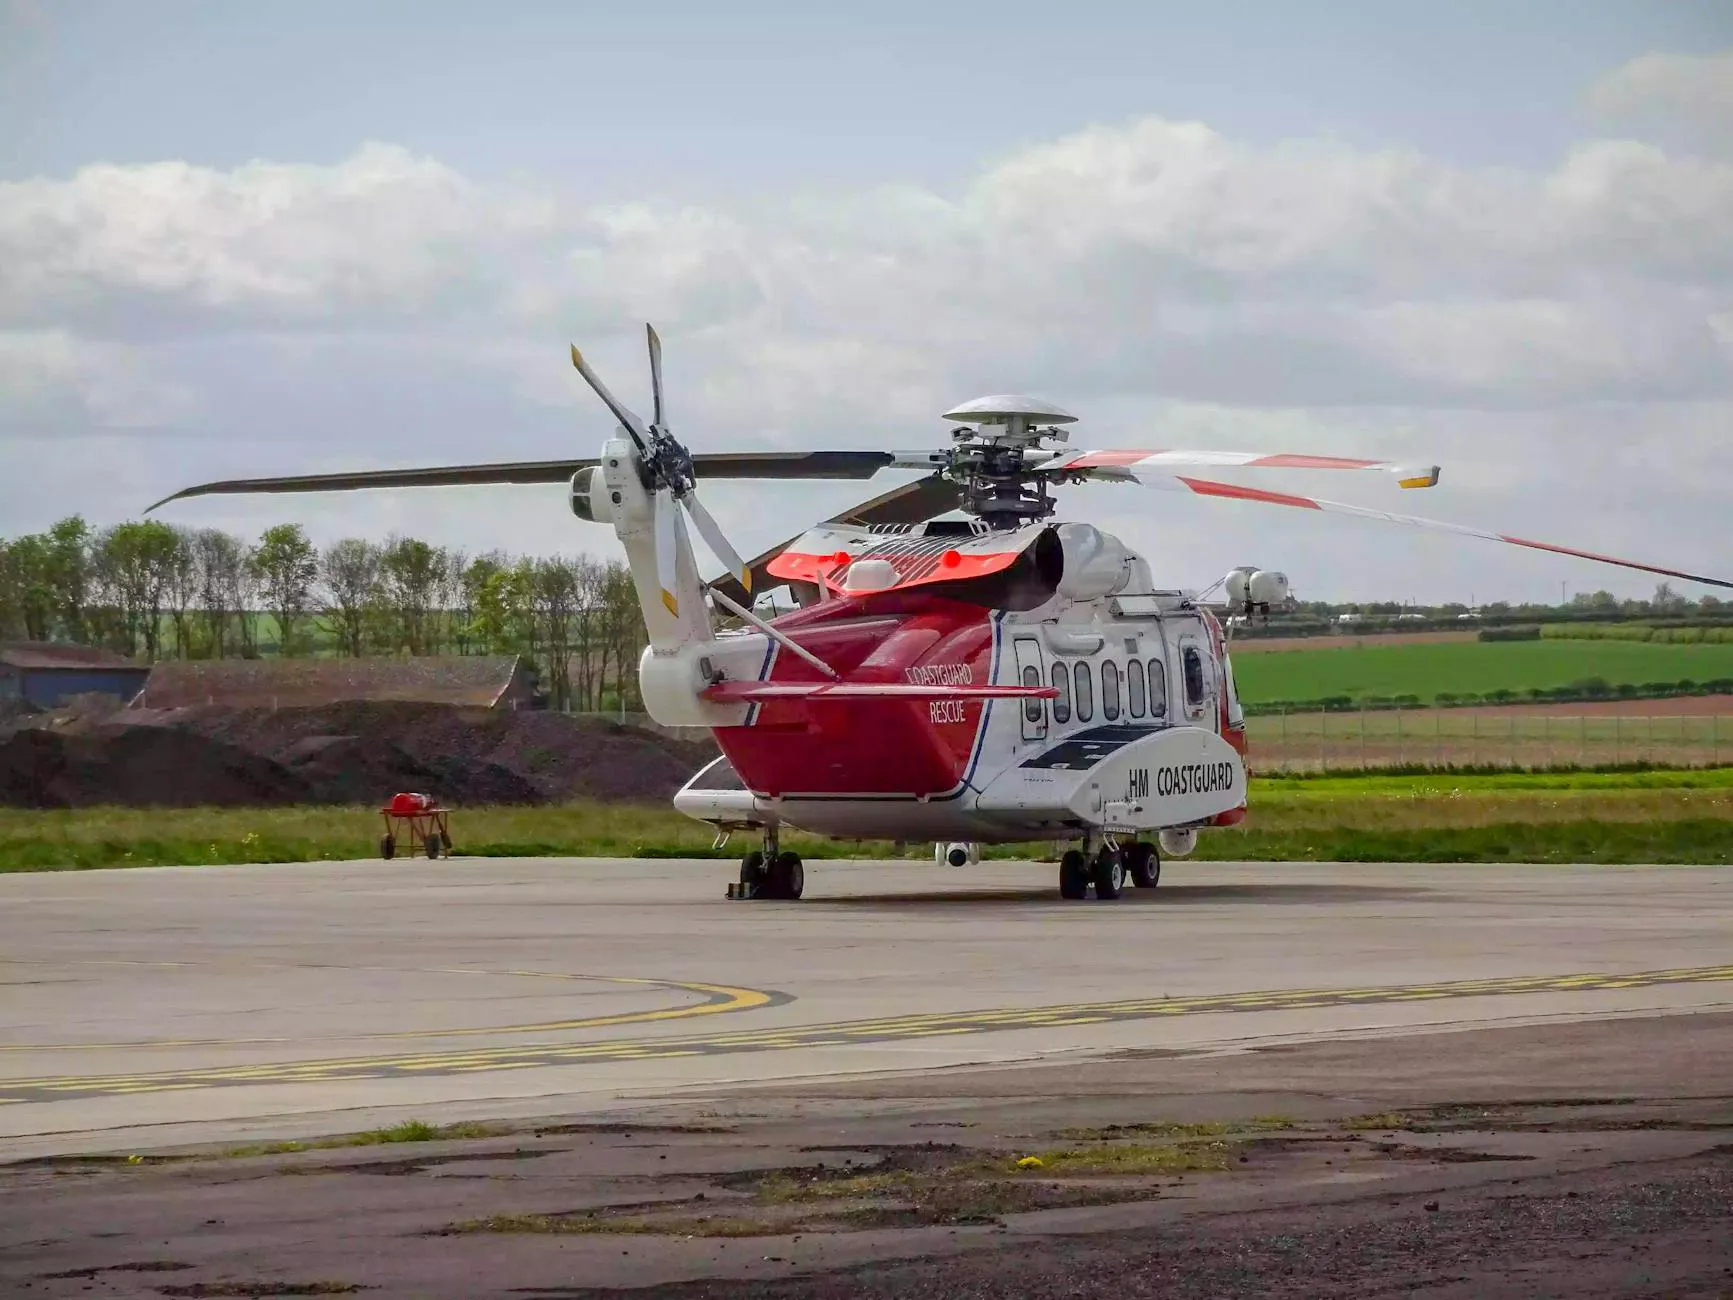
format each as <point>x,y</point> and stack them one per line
<point>160,1007</point>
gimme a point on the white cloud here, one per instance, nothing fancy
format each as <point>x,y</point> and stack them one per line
<point>1692,88</point>
<point>381,232</point>
<point>54,384</point>
<point>1167,283</point>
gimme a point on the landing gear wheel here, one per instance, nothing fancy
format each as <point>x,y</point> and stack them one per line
<point>1143,864</point>
<point>752,872</point>
<point>388,848</point>
<point>786,877</point>
<point>1108,874</point>
<point>1073,875</point>
<point>433,845</point>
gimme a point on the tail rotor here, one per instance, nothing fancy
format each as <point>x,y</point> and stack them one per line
<point>673,483</point>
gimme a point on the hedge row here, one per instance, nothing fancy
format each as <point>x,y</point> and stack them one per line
<point>1676,634</point>
<point>1586,690</point>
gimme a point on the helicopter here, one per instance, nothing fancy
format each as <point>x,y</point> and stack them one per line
<point>1000,677</point>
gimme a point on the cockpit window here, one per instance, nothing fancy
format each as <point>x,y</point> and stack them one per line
<point>1194,682</point>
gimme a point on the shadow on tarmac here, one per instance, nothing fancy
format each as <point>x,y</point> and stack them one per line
<point>1161,896</point>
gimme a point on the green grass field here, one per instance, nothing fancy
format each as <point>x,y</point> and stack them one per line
<point>1658,816</point>
<point>1471,667</point>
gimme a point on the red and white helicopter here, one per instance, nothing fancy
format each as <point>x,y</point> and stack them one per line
<point>995,678</point>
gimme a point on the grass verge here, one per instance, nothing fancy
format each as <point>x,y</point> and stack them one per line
<point>1626,816</point>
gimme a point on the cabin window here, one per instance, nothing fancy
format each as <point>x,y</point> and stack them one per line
<point>1134,687</point>
<point>1085,692</point>
<point>1110,690</point>
<point>1062,701</point>
<point>1032,703</point>
<point>1194,686</point>
<point>1157,689</point>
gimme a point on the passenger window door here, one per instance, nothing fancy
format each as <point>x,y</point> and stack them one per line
<point>1061,701</point>
<point>1109,690</point>
<point>1028,652</point>
<point>1157,689</point>
<point>1134,688</point>
<point>1085,690</point>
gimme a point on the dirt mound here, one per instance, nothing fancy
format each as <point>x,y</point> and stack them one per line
<point>138,766</point>
<point>360,752</point>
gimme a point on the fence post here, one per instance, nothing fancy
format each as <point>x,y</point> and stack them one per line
<point>1362,735</point>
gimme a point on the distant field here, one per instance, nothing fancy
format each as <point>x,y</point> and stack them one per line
<point>1468,667</point>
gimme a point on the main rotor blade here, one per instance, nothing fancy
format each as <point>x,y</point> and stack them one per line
<point>658,416</point>
<point>622,413</point>
<point>665,519</point>
<point>742,464</point>
<point>714,538</point>
<point>1127,462</point>
<point>1234,491</point>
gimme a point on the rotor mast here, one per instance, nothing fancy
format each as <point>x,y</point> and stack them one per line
<point>990,458</point>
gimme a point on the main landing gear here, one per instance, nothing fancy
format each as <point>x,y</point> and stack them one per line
<point>770,872</point>
<point>1107,867</point>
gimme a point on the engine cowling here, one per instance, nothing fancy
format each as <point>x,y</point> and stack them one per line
<point>1095,563</point>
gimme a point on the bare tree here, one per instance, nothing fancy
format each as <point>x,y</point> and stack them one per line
<point>555,596</point>
<point>222,589</point>
<point>182,590</point>
<point>349,573</point>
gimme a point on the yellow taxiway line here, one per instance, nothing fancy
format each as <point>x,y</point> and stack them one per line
<point>845,1033</point>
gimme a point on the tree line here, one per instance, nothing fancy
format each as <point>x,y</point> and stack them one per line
<point>154,591</point>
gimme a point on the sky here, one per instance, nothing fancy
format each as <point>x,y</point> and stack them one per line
<point>290,238</point>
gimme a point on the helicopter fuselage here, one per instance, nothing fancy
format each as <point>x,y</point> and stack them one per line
<point>980,770</point>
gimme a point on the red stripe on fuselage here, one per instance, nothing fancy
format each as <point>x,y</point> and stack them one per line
<point>874,746</point>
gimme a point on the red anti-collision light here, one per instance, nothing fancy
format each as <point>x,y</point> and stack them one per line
<point>951,559</point>
<point>841,557</point>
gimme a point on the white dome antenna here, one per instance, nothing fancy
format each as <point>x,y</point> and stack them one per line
<point>1011,419</point>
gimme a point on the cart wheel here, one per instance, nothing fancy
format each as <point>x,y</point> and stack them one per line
<point>388,847</point>
<point>433,845</point>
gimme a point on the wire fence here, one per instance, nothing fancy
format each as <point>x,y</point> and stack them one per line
<point>1515,737</point>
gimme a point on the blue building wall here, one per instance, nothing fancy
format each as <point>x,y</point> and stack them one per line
<point>47,687</point>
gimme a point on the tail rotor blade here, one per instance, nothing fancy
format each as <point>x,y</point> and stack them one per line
<point>716,540</point>
<point>658,417</point>
<point>666,520</point>
<point>623,414</point>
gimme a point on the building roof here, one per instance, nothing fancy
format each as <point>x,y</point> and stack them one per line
<point>54,654</point>
<point>472,680</point>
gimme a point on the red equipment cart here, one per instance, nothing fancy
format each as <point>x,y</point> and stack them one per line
<point>422,819</point>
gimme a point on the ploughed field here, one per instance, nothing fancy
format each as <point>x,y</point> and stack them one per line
<point>1685,731</point>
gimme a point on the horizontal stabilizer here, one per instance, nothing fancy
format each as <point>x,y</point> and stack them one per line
<point>746,692</point>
